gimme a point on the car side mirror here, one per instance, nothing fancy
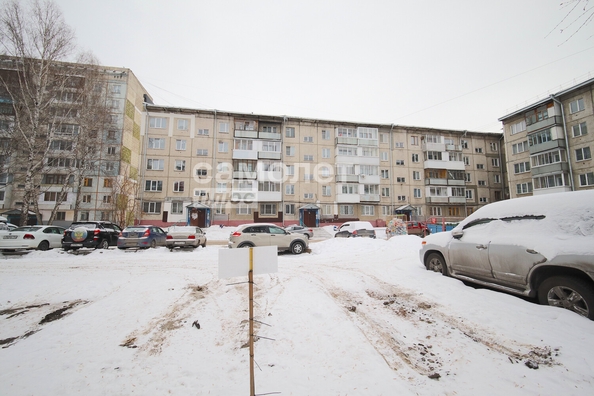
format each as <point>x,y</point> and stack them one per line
<point>457,234</point>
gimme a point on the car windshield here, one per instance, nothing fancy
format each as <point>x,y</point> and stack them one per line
<point>27,229</point>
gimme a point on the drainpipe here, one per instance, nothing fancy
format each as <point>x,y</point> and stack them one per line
<point>502,168</point>
<point>143,159</point>
<point>390,175</point>
<point>566,141</point>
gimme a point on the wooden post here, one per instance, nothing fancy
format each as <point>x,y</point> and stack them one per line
<point>251,313</point>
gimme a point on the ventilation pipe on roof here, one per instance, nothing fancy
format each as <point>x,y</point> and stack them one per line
<point>566,141</point>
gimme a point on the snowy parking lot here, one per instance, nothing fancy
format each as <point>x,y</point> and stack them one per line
<point>352,317</point>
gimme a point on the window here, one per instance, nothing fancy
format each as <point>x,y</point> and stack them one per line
<point>398,144</point>
<point>107,199</point>
<point>384,156</point>
<point>308,158</point>
<point>433,155</point>
<point>346,210</point>
<point>522,167</point>
<point>464,143</point>
<point>348,189</point>
<point>540,137</point>
<point>483,200</point>
<point>325,153</point>
<point>308,177</point>
<point>367,210</point>
<point>468,194</point>
<point>223,127</point>
<point>202,132</point>
<point>587,179</point>
<point>417,193</point>
<point>482,183</point>
<point>200,193</point>
<point>290,170</point>
<point>158,122</point>
<point>202,152</point>
<point>466,160</point>
<point>108,183</point>
<point>308,196</point>
<point>269,129</point>
<point>415,158</point>
<point>308,139</point>
<point>495,162</point>
<point>416,175</point>
<point>400,180</point>
<point>155,164</point>
<point>269,186</point>
<point>290,151</point>
<point>401,198</point>
<point>579,129</point>
<point>290,132</point>
<point>583,154</point>
<point>243,209</point>
<point>467,177</point>
<point>182,125</point>
<point>435,211</point>
<point>178,186</point>
<point>480,166</point>
<point>153,185</point>
<point>520,147</point>
<point>384,138</point>
<point>86,198</point>
<point>324,171</point>
<point>385,174</point>
<point>180,165</point>
<point>221,187</point>
<point>177,207</point>
<point>289,189</point>
<point>497,179</point>
<point>524,188</point>
<point>180,144</point>
<point>478,150</point>
<point>151,207</point>
<point>347,151</point>
<point>576,105</point>
<point>518,127</point>
<point>369,152</point>
<point>326,191</point>
<point>62,145</point>
<point>87,182</point>
<point>268,209</point>
<point>414,140</point>
<point>400,162</point>
<point>385,191</point>
<point>83,216</point>
<point>325,134</point>
<point>219,208</point>
<point>290,209</point>
<point>54,196</point>
<point>223,147</point>
<point>243,144</point>
<point>201,172</point>
<point>494,146</point>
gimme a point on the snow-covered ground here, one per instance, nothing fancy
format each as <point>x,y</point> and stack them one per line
<point>353,317</point>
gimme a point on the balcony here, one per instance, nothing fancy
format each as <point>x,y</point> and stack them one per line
<point>242,133</point>
<point>245,196</point>
<point>546,123</point>
<point>546,146</point>
<point>433,147</point>
<point>347,178</point>
<point>270,196</point>
<point>244,175</point>
<point>437,200</point>
<point>273,176</point>
<point>245,154</point>
<point>440,164</point>
<point>452,182</point>
<point>269,135</point>
<point>453,147</point>
<point>276,155</point>
<point>368,142</point>
<point>369,179</point>
<point>548,169</point>
<point>370,197</point>
<point>459,200</point>
<point>347,140</point>
<point>436,181</point>
<point>348,198</point>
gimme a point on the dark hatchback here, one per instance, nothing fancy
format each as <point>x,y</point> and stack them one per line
<point>91,234</point>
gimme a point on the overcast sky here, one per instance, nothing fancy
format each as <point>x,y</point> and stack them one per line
<point>437,63</point>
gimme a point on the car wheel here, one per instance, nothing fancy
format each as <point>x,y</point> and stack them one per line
<point>204,244</point>
<point>104,244</point>
<point>435,262</point>
<point>246,245</point>
<point>153,244</point>
<point>569,293</point>
<point>122,248</point>
<point>43,245</point>
<point>297,248</point>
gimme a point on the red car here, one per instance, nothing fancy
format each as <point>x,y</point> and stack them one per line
<point>417,228</point>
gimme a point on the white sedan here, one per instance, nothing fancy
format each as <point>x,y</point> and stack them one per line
<point>40,237</point>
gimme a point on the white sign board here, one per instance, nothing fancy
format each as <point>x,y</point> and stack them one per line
<point>236,262</point>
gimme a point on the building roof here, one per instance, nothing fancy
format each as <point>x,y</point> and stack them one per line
<point>548,99</point>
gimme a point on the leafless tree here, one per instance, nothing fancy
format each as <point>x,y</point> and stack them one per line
<point>124,204</point>
<point>578,14</point>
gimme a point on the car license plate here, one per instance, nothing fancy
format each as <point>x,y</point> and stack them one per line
<point>76,245</point>
<point>180,243</point>
<point>10,237</point>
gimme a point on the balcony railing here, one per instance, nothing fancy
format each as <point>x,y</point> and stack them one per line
<point>244,175</point>
<point>347,178</point>
<point>269,135</point>
<point>370,197</point>
<point>241,133</point>
<point>269,155</point>
<point>347,140</point>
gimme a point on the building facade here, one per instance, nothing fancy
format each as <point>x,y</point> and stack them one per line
<point>548,145</point>
<point>212,167</point>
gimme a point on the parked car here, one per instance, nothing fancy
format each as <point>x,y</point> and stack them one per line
<point>42,237</point>
<point>540,246</point>
<point>308,232</point>
<point>91,234</point>
<point>354,229</point>
<point>185,236</point>
<point>417,228</point>
<point>142,237</point>
<point>262,234</point>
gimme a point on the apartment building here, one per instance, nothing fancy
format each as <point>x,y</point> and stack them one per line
<point>210,167</point>
<point>117,143</point>
<point>548,144</point>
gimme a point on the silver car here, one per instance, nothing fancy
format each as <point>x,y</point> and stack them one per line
<point>262,234</point>
<point>297,229</point>
<point>540,246</point>
<point>185,237</point>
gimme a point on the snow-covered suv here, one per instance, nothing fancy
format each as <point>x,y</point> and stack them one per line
<point>91,234</point>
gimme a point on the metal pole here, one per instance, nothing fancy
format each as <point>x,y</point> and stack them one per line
<point>251,311</point>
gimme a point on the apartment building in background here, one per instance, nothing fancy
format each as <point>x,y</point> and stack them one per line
<point>549,143</point>
<point>210,167</point>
